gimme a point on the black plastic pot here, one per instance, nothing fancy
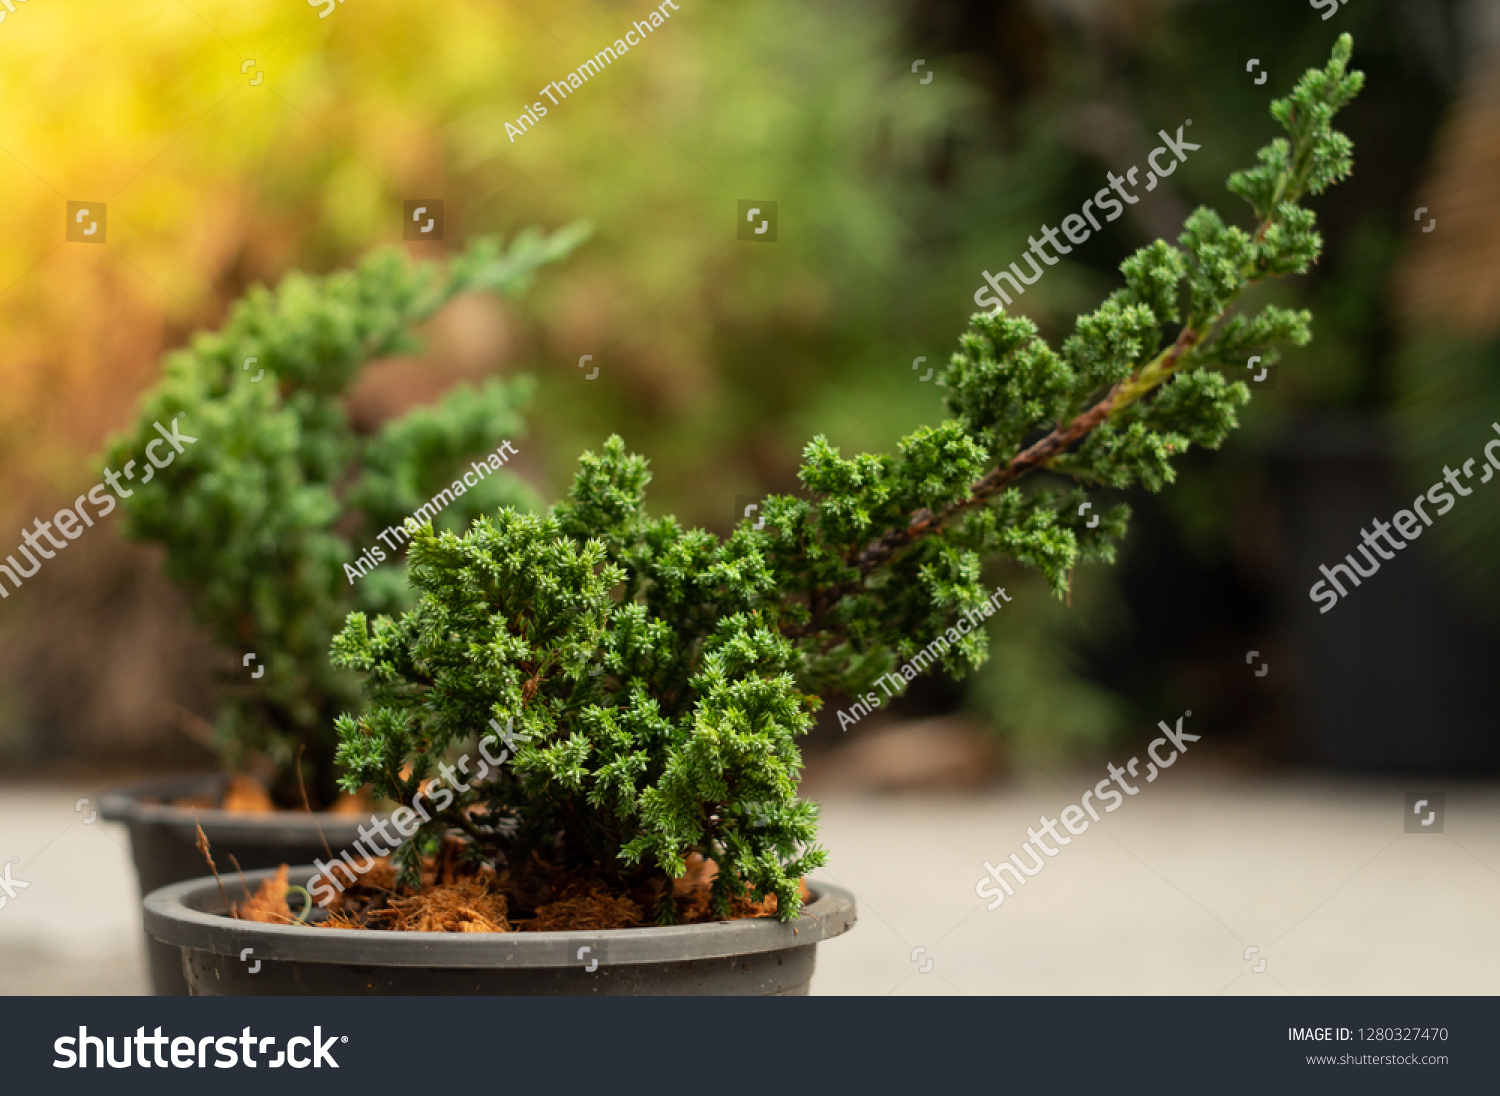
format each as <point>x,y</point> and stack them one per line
<point>1395,677</point>
<point>223,957</point>
<point>162,841</point>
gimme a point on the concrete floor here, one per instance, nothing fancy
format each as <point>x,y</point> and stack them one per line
<point>76,928</point>
<point>1163,896</point>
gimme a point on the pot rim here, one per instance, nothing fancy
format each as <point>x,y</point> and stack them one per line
<point>190,915</point>
<point>127,805</point>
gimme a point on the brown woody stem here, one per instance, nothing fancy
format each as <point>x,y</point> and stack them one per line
<point>1034,456</point>
<point>924,522</point>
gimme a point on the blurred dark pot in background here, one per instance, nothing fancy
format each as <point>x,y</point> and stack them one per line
<point>1398,673</point>
<point>163,842</point>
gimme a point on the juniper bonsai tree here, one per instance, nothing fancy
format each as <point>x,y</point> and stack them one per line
<point>270,517</point>
<point>653,679</point>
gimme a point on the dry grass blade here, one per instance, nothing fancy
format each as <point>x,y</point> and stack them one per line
<point>202,846</point>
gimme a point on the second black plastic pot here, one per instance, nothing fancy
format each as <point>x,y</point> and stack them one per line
<point>162,840</point>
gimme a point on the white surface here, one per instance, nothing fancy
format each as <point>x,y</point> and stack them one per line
<point>76,928</point>
<point>1163,896</point>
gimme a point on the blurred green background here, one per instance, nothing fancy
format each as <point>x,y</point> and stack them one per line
<point>719,358</point>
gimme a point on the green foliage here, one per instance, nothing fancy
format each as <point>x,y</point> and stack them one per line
<point>261,514</point>
<point>709,653</point>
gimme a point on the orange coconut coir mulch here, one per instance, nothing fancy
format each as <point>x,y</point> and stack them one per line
<point>268,904</point>
<point>457,898</point>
